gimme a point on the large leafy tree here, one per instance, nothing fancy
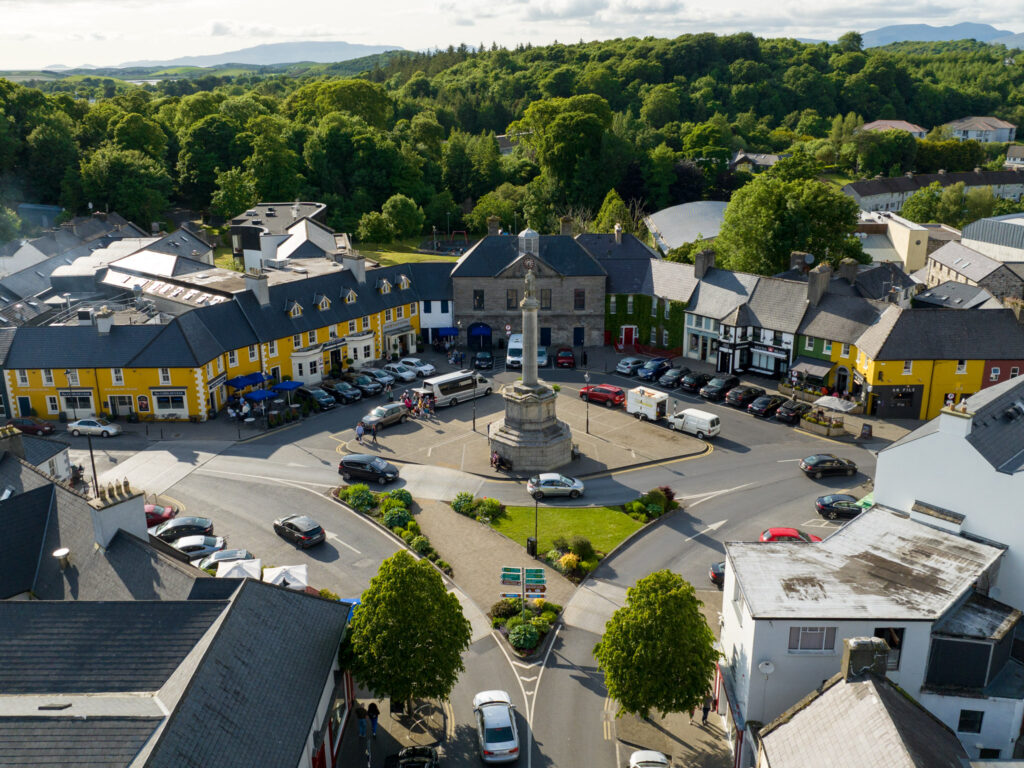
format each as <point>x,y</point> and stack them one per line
<point>10,224</point>
<point>235,193</point>
<point>207,146</point>
<point>409,633</point>
<point>658,652</point>
<point>405,216</point>
<point>51,150</point>
<point>613,211</point>
<point>126,181</point>
<point>133,131</point>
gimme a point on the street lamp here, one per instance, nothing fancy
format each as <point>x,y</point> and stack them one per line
<point>586,378</point>
<point>536,541</point>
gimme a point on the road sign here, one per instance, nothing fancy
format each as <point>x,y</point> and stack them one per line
<point>515,573</point>
<point>535,588</point>
<point>534,571</point>
<point>535,580</point>
<point>510,582</point>
<point>510,594</point>
<point>508,328</point>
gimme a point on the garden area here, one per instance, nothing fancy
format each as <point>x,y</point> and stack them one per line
<point>524,626</point>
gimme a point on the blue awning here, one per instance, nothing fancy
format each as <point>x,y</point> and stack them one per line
<point>259,394</point>
<point>287,386</point>
<point>479,329</point>
<point>447,332</point>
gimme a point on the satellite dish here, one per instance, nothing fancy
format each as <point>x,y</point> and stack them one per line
<point>808,259</point>
<point>766,668</point>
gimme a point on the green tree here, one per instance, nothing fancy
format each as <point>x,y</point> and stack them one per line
<point>409,633</point>
<point>51,150</point>
<point>374,227</point>
<point>405,216</point>
<point>658,652</point>
<point>613,211</point>
<point>851,42</point>
<point>10,224</point>
<point>126,181</point>
<point>273,164</point>
<point>235,193</point>
<point>133,131</point>
<point>505,202</point>
<point>923,206</point>
<point>207,145</point>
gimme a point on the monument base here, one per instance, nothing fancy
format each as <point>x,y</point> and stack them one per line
<point>530,435</point>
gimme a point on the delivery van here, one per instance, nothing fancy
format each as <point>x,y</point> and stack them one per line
<point>646,404</point>
<point>514,355</point>
<point>699,423</point>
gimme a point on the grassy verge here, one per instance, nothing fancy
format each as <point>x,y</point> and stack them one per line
<point>604,526</point>
<point>400,252</point>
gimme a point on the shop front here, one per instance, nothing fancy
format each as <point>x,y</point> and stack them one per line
<point>170,403</point>
<point>399,339</point>
<point>76,403</point>
<point>769,360</point>
<point>896,402</point>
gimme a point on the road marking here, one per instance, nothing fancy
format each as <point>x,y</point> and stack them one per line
<point>293,483</point>
<point>786,461</point>
<point>702,497</point>
<point>713,527</point>
<point>343,543</point>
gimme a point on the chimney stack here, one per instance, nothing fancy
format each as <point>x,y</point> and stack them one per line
<point>10,441</point>
<point>118,507</point>
<point>848,270</point>
<point>618,234</point>
<point>565,226</point>
<point>355,262</point>
<point>702,262</point>
<point>256,283</point>
<point>800,260</point>
<point>817,283</point>
<point>493,224</point>
<point>862,655</point>
<point>104,320</point>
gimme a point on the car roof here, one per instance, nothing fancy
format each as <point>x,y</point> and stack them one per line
<point>186,541</point>
<point>646,757</point>
<point>187,520</point>
<point>491,697</point>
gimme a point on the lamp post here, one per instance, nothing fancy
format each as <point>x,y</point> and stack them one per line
<point>92,459</point>
<point>536,541</point>
<point>458,340</point>
<point>586,378</point>
<point>71,398</point>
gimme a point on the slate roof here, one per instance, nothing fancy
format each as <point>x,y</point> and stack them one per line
<point>720,292</point>
<point>938,334</point>
<point>23,520</point>
<point>954,295</point>
<point>94,742</point>
<point>841,318</point>
<point>910,184</point>
<point>627,276</point>
<point>965,261</point>
<point>673,281</point>
<point>979,123</point>
<point>864,722</point>
<point>39,450</point>
<point>180,243</point>
<point>492,254</point>
<point>994,434</point>
<point>777,305</point>
<point>892,125</point>
<point>602,246</point>
<point>81,346</point>
<point>1015,152</point>
<point>876,280</point>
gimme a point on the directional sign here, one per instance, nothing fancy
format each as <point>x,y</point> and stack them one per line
<point>535,588</point>
<point>535,580</point>
<point>517,572</point>
<point>510,594</point>
<point>511,582</point>
<point>534,571</point>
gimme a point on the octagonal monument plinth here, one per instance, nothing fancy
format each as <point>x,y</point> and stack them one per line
<point>530,435</point>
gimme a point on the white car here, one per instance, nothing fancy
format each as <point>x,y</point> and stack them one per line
<point>542,357</point>
<point>648,758</point>
<point>554,484</point>
<point>496,727</point>
<point>630,365</point>
<point>100,427</point>
<point>196,547</point>
<point>401,372</point>
<point>421,368</point>
<point>224,556</point>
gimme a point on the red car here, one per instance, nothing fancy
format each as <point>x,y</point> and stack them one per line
<point>787,534</point>
<point>564,358</point>
<point>603,393</point>
<point>30,425</point>
<point>156,514</point>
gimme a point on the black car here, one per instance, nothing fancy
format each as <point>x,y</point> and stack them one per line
<point>694,381</point>
<point>365,384</point>
<point>343,392</point>
<point>653,368</point>
<point>821,464</point>
<point>483,360</point>
<point>316,397</point>
<point>672,377</point>
<point>360,466</point>
<point>300,529</point>
<point>791,411</point>
<point>837,505</point>
<point>175,528</point>
<point>717,573</point>
<point>718,387</point>
<point>766,405</point>
<point>741,397</point>
<point>414,757</point>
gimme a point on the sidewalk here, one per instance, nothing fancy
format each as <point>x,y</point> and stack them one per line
<point>427,725</point>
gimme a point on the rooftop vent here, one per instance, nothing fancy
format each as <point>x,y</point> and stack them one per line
<point>63,556</point>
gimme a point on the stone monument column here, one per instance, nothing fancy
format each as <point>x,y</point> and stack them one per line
<point>530,305</point>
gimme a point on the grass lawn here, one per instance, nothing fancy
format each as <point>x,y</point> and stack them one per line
<point>604,526</point>
<point>399,252</point>
<point>223,257</point>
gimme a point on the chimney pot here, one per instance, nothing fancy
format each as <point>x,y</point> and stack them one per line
<point>63,556</point>
<point>493,224</point>
<point>864,654</point>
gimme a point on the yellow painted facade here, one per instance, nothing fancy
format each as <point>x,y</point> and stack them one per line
<point>933,381</point>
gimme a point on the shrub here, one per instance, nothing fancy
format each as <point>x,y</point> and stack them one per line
<point>556,387</point>
<point>552,555</point>
<point>464,503</point>
<point>560,543</point>
<point>387,504</point>
<point>640,517</point>
<point>586,566</point>
<point>524,637</point>
<point>432,556</point>
<point>655,510</point>
<point>548,616</point>
<point>413,526</point>
<point>670,497</point>
<point>401,495</point>
<point>514,621</point>
<point>509,606</point>
<point>443,565</point>
<point>420,543</point>
<point>489,508</point>
<point>634,508</point>
<point>581,547</point>
<point>397,518</point>
<point>359,498</point>
<point>544,605</point>
<point>497,622</point>
<point>398,531</point>
<point>567,563</point>
<point>327,594</point>
<point>543,627</point>
<point>654,496</point>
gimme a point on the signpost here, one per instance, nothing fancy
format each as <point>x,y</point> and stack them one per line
<point>532,582</point>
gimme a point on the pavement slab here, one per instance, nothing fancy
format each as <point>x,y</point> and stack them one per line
<point>162,465</point>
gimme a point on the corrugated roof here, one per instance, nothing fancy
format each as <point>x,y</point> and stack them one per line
<point>1005,230</point>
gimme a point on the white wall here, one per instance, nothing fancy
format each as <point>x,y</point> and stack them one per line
<point>998,726</point>
<point>994,250</point>
<point>435,318</point>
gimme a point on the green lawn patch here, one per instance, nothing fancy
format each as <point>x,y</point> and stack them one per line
<point>224,258</point>
<point>604,526</point>
<point>399,252</point>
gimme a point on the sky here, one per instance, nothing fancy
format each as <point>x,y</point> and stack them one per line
<point>39,33</point>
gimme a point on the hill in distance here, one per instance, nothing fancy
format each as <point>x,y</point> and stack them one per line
<point>898,33</point>
<point>274,53</point>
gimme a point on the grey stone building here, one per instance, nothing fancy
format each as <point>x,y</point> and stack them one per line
<point>487,286</point>
<point>956,262</point>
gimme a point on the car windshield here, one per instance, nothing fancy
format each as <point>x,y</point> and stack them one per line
<point>484,355</point>
<point>535,480</point>
<point>398,367</point>
<point>716,382</point>
<point>103,422</point>
<point>318,392</point>
<point>379,463</point>
<point>379,412</point>
<point>498,735</point>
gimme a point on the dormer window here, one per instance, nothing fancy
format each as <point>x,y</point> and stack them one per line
<point>385,286</point>
<point>350,297</point>
<point>324,304</point>
<point>294,310</point>
<point>403,282</point>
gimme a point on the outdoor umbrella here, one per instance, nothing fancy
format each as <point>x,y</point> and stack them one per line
<point>287,387</point>
<point>258,394</point>
<point>238,382</point>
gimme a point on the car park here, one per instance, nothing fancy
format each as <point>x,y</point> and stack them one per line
<point>483,360</point>
<point>719,387</point>
<point>565,358</point>
<point>343,392</point>
<point>361,466</point>
<point>400,372</point>
<point>788,534</point>
<point>716,572</point>
<point>30,425</point>
<point>497,736</point>
<point>316,397</point>
<point>177,527</point>
<point>383,377</point>
<point>694,381</point>
<point>603,393</point>
<point>100,427</point>
<point>301,530</point>
<point>225,556</point>
<point>672,377</point>
<point>838,505</point>
<point>742,396</point>
<point>648,758</point>
<point>791,411</point>
<point>554,484</point>
<point>653,368</point>
<point>368,385</point>
<point>196,547</point>
<point>701,424</point>
<point>158,513</point>
<point>422,368</point>
<point>821,464</point>
<point>765,405</point>
<point>629,365</point>
<point>385,415</point>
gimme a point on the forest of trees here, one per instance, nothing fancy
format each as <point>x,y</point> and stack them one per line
<point>655,120</point>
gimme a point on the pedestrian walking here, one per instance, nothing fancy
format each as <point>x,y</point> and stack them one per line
<point>373,431</point>
<point>584,358</point>
<point>391,395</point>
<point>705,708</point>
<point>374,713</point>
<point>361,720</point>
<point>359,432</point>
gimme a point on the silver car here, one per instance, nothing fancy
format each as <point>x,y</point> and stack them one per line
<point>496,727</point>
<point>554,484</point>
<point>199,546</point>
<point>386,415</point>
<point>91,426</point>
<point>629,365</point>
<point>400,371</point>
<point>421,368</point>
<point>378,375</point>
<point>224,556</point>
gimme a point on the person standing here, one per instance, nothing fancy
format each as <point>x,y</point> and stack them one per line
<point>390,394</point>
<point>359,433</point>
<point>705,708</point>
<point>373,431</point>
<point>361,720</point>
<point>374,713</point>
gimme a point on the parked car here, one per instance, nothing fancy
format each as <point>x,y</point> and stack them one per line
<point>648,758</point>
<point>225,556</point>
<point>343,392</point>
<point>694,381</point>
<point>836,505</point>
<point>496,731</point>
<point>716,572</point>
<point>565,358</point>
<point>483,360</point>
<point>603,393</point>
<point>822,464</point>
<point>182,526</point>
<point>629,365</point>
<point>554,484</point>
<point>766,405</point>
<point>788,534</point>
<point>673,377</point>
<point>383,377</point>
<point>719,387</point>
<point>542,357</point>
<point>90,426</point>
<point>30,425</point>
<point>360,466</point>
<point>653,368</point>
<point>742,396</point>
<point>385,415</point>
<point>791,411</point>
<point>368,385</point>
<point>417,757</point>
<point>199,546</point>
<point>300,529</point>
<point>158,513</point>
<point>422,368</point>
<point>316,397</point>
<point>400,372</point>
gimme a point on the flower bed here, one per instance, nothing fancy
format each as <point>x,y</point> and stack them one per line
<point>524,626</point>
<point>827,426</point>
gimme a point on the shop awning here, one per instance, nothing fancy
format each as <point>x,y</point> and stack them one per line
<point>819,369</point>
<point>447,331</point>
<point>836,404</point>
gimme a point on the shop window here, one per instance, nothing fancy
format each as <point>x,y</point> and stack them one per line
<point>545,298</point>
<point>812,639</point>
<point>970,721</point>
<point>169,401</point>
<point>894,637</point>
<point>511,298</point>
<point>478,299</point>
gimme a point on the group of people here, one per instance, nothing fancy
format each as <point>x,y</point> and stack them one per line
<point>372,713</point>
<point>239,409</point>
<point>422,405</point>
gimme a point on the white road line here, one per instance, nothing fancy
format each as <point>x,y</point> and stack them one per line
<point>702,497</point>
<point>271,478</point>
<point>713,527</point>
<point>786,461</point>
<point>343,543</point>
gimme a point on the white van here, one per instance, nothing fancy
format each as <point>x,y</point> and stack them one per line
<point>699,423</point>
<point>453,388</point>
<point>646,404</point>
<point>514,356</point>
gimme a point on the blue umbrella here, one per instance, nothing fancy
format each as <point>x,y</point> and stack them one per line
<point>255,378</point>
<point>259,394</point>
<point>238,382</point>
<point>287,386</point>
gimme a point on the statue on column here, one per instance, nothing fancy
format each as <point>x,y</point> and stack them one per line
<point>531,281</point>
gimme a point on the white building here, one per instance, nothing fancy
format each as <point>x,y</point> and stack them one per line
<point>984,129</point>
<point>788,607</point>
